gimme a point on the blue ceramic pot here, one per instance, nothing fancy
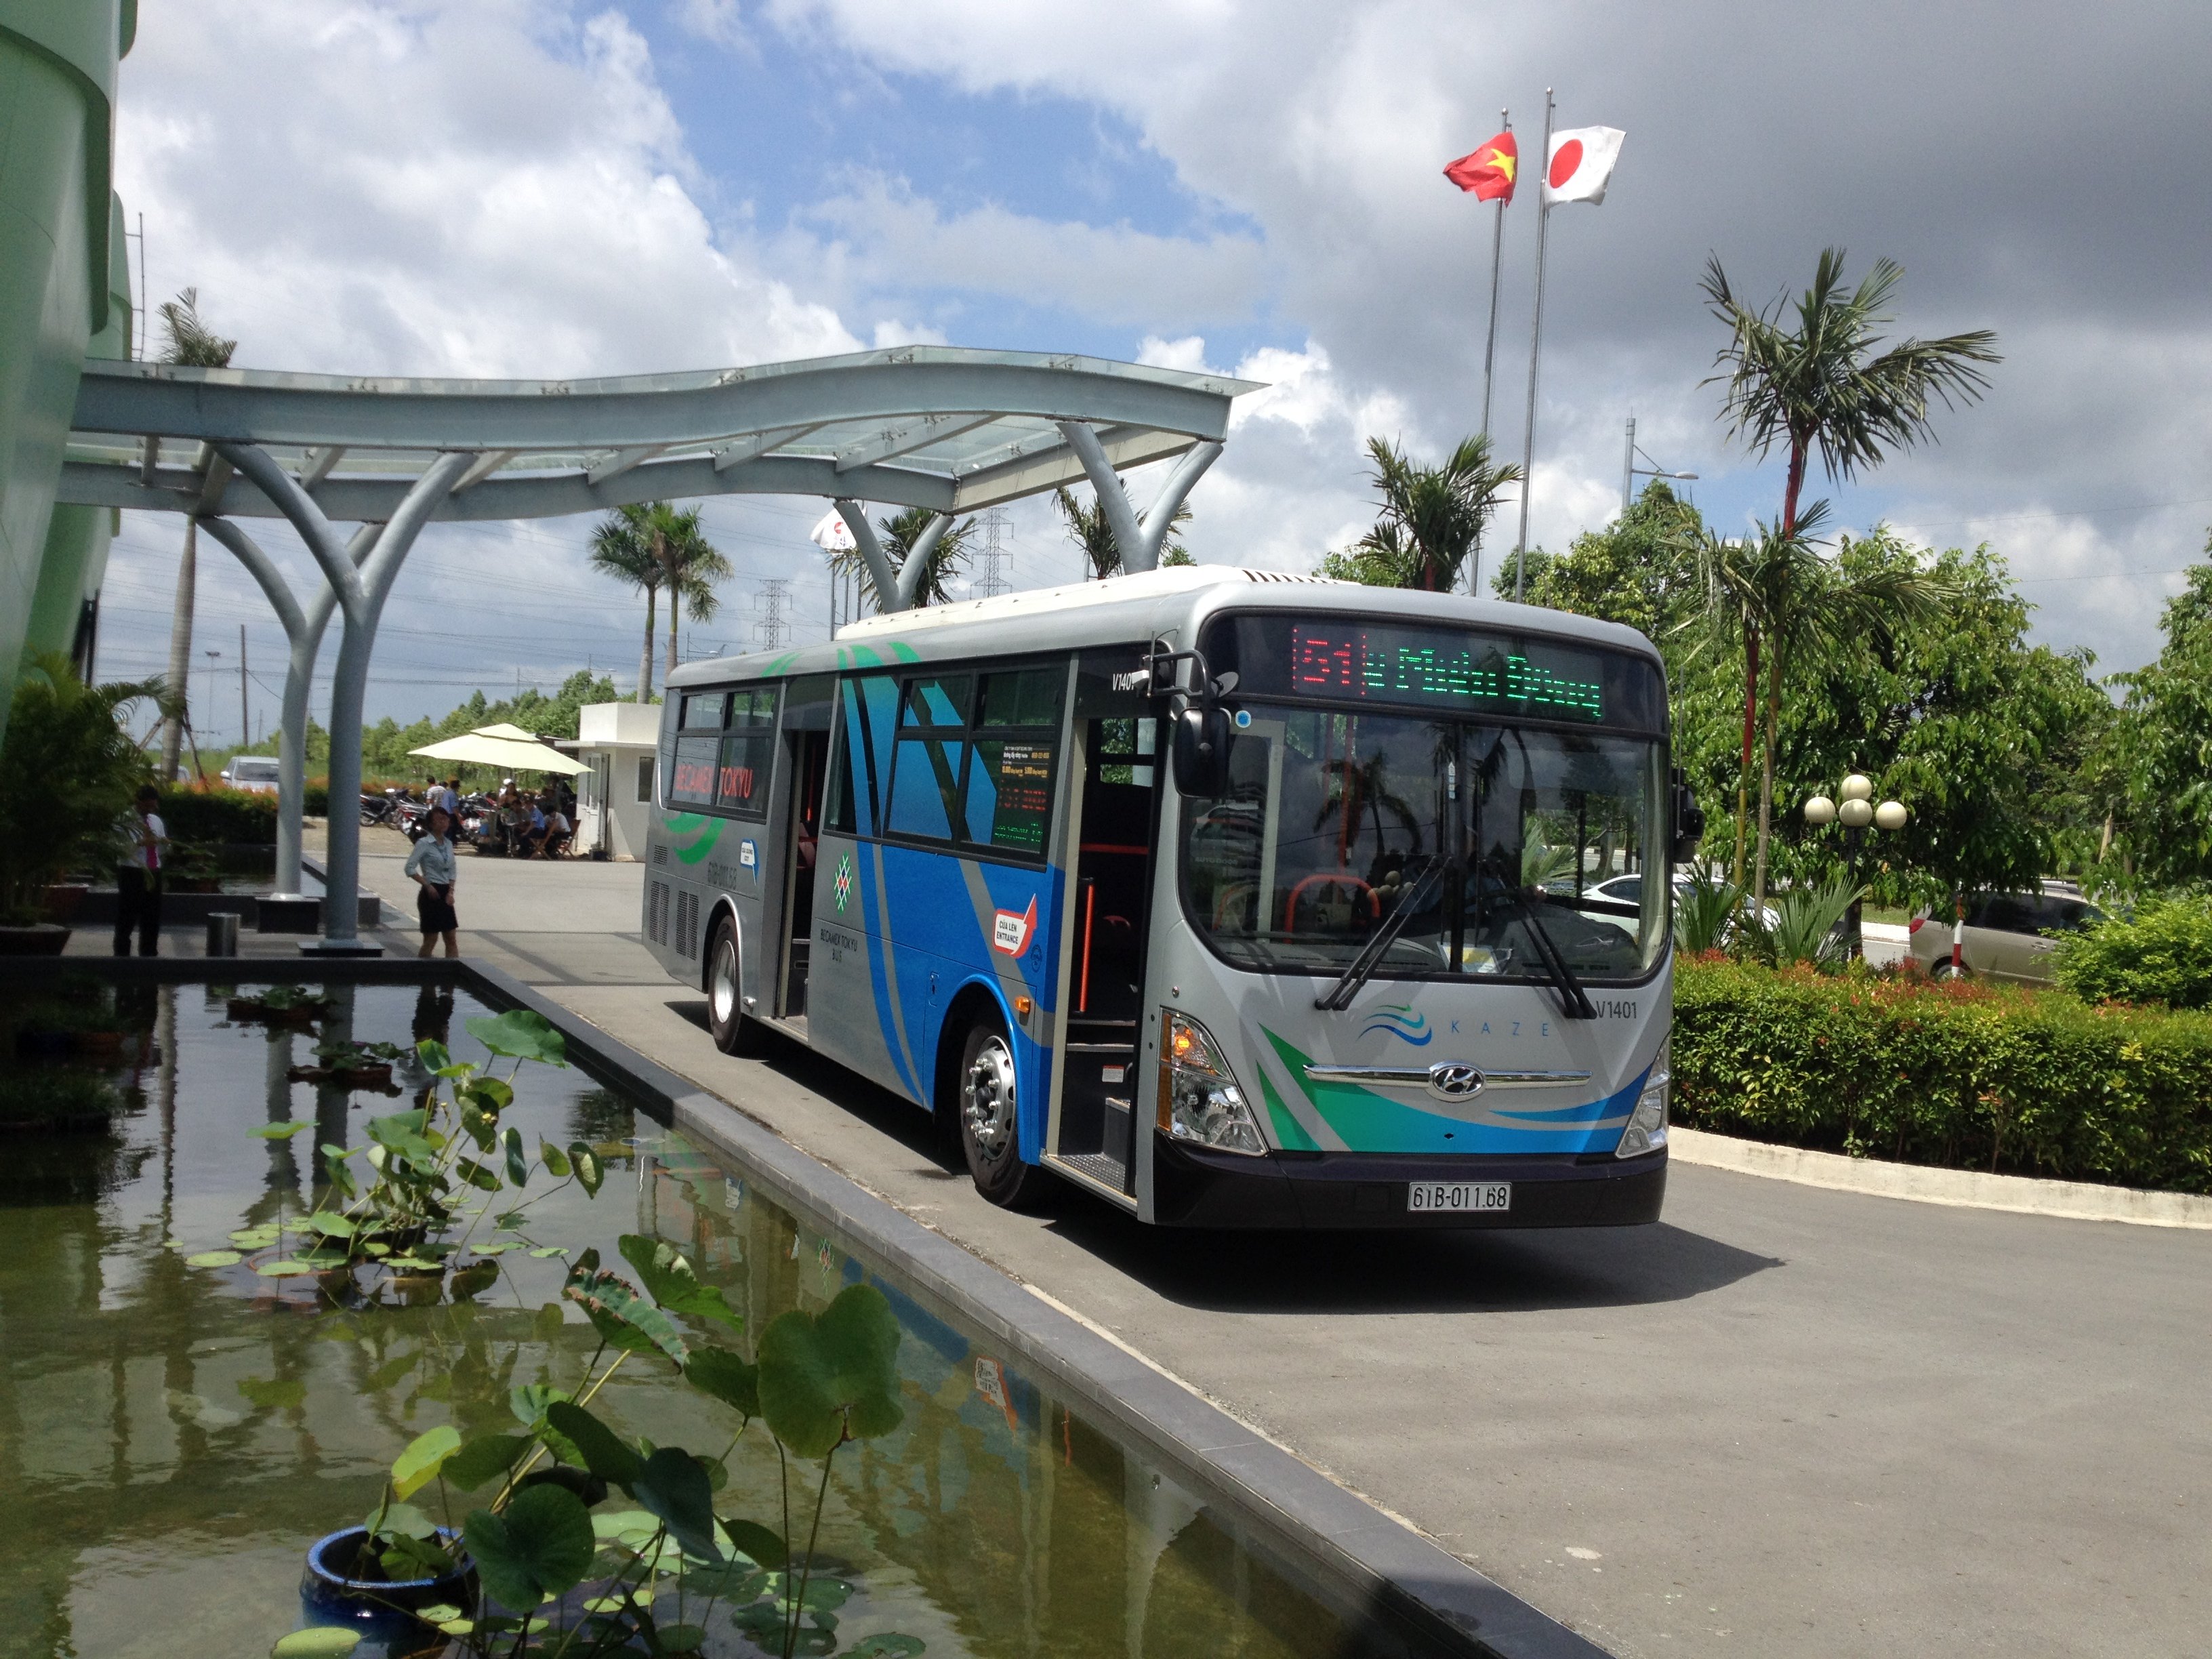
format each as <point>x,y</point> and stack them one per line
<point>382,1610</point>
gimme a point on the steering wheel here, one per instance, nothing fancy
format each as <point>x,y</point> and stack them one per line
<point>1329,879</point>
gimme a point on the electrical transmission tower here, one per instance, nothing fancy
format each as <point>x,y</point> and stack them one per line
<point>770,628</point>
<point>990,579</point>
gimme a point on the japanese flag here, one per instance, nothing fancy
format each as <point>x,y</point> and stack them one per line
<point>1581,164</point>
<point>831,535</point>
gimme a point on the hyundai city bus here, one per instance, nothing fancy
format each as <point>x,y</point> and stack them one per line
<point>1235,898</point>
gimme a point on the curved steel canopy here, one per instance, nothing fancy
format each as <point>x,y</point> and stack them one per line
<point>934,426</point>
<point>939,427</point>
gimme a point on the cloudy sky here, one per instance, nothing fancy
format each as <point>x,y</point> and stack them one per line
<point>517,187</point>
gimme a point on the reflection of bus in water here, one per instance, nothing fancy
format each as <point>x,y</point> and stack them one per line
<point>994,1519</point>
<point>1236,899</point>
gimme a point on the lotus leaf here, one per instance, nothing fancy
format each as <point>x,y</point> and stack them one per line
<point>833,1376</point>
<point>214,1258</point>
<point>589,1171</point>
<point>484,1458</point>
<point>623,1318</point>
<point>731,1379</point>
<point>518,1034</point>
<point>541,1545</point>
<point>673,1485</point>
<point>283,1131</point>
<point>669,1281</point>
<point>605,1454</point>
<point>555,1160</point>
<point>416,1466</point>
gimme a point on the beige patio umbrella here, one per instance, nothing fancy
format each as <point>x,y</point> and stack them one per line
<point>508,747</point>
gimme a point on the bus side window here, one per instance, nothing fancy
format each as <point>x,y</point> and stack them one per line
<point>866,707</point>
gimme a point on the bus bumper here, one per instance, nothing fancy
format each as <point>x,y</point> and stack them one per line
<point>1192,1188</point>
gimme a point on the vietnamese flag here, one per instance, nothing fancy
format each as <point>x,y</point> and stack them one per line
<point>1490,171</point>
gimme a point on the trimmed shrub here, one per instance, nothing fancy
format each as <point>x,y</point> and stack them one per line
<point>237,817</point>
<point>1963,1075</point>
<point>2163,953</point>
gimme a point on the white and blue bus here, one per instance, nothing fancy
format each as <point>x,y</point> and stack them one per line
<point>1236,898</point>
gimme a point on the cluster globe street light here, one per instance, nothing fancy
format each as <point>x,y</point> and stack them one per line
<point>1854,812</point>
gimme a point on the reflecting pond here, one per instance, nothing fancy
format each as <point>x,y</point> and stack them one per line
<point>172,1436</point>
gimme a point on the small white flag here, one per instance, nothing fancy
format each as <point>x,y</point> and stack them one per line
<point>831,535</point>
<point>1581,164</point>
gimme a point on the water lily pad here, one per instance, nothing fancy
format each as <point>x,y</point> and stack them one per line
<point>283,1131</point>
<point>544,1250</point>
<point>255,1238</point>
<point>214,1258</point>
<point>284,1267</point>
<point>275,1395</point>
<point>682,1639</point>
<point>323,1642</point>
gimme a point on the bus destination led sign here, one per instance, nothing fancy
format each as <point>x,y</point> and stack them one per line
<point>1426,665</point>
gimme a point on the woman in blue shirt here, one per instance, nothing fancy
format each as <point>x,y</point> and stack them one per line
<point>431,864</point>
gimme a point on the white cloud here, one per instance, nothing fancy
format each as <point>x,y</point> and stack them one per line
<point>883,235</point>
<point>487,189</point>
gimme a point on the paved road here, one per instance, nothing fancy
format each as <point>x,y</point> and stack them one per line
<point>1784,1422</point>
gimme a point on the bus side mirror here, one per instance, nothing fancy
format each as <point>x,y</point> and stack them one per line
<point>1689,818</point>
<point>1199,751</point>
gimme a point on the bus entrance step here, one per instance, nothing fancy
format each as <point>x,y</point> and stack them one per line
<point>1106,1172</point>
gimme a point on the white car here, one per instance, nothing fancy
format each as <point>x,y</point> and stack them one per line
<point>255,773</point>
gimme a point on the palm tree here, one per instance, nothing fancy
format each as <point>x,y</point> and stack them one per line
<point>1822,387</point>
<point>191,345</point>
<point>655,537</point>
<point>1433,517</point>
<point>897,536</point>
<point>1090,530</point>
<point>1777,587</point>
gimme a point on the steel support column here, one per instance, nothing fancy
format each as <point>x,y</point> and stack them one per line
<point>360,595</point>
<point>894,590</point>
<point>303,633</point>
<point>1139,540</point>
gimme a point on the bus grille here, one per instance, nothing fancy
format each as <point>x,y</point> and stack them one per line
<point>687,924</point>
<point>660,853</point>
<point>656,913</point>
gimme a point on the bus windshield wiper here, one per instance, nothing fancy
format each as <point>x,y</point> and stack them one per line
<point>1569,988</point>
<point>1339,996</point>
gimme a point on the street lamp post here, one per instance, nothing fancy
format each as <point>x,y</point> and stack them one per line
<point>1630,472</point>
<point>1854,812</point>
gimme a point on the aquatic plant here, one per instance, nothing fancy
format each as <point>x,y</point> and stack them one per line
<point>559,1581</point>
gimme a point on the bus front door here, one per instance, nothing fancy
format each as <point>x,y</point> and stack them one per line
<point>806,757</point>
<point>1102,994</point>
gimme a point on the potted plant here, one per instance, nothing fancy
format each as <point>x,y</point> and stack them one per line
<point>67,773</point>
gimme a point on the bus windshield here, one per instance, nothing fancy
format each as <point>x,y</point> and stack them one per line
<point>1332,818</point>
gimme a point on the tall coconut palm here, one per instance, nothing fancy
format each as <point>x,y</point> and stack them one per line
<point>191,345</point>
<point>1433,517</point>
<point>1822,386</point>
<point>897,536</point>
<point>658,538</point>
<point>1092,533</point>
<point>1778,587</point>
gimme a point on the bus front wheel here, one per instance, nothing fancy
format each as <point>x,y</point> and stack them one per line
<point>989,1134</point>
<point>734,1034</point>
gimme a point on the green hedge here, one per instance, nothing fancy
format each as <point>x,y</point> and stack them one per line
<point>237,815</point>
<point>1966,1076</point>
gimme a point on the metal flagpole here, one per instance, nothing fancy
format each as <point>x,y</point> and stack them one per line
<point>1535,352</point>
<point>1490,343</point>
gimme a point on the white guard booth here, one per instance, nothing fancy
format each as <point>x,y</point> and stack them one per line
<point>616,740</point>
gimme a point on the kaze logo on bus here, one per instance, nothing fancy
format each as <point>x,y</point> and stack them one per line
<point>1010,932</point>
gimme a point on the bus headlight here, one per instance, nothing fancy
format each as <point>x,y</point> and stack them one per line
<point>1647,1124</point>
<point>1200,1100</point>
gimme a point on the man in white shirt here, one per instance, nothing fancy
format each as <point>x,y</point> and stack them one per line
<point>144,841</point>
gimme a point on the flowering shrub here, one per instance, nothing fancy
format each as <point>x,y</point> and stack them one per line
<point>1961,1074</point>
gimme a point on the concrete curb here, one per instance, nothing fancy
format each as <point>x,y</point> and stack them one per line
<point>1972,1189</point>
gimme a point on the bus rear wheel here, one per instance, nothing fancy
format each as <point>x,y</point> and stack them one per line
<point>986,1098</point>
<point>734,1034</point>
